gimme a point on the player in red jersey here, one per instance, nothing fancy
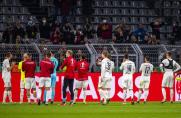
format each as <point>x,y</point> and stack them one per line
<point>82,79</point>
<point>70,63</point>
<point>46,69</point>
<point>29,68</point>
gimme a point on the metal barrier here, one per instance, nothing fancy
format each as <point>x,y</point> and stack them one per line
<point>93,51</point>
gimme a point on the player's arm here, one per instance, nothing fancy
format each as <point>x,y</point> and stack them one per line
<point>8,66</point>
<point>121,67</point>
<point>141,68</point>
<point>177,67</point>
<point>113,66</point>
<point>134,68</point>
<point>103,64</point>
<point>19,66</point>
<point>63,64</point>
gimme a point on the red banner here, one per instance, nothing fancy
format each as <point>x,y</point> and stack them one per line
<point>92,93</point>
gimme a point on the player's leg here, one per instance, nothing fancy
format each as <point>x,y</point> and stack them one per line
<point>130,87</point>
<point>5,91</point>
<point>44,96</point>
<point>10,92</point>
<point>171,83</point>
<point>47,88</point>
<point>164,84</point>
<point>125,87</point>
<point>22,87</point>
<point>53,84</point>
<point>65,85</point>
<point>41,85</point>
<point>33,88</point>
<point>141,84</point>
<point>77,86</point>
<point>71,89</point>
<point>146,89</point>
<point>84,88</point>
<point>28,86</point>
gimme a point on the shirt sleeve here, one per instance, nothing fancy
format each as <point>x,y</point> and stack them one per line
<point>64,64</point>
<point>141,68</point>
<point>102,69</point>
<point>121,67</point>
<point>177,66</point>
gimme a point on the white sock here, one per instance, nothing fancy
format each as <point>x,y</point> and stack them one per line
<point>108,94</point>
<point>47,96</point>
<point>131,94</point>
<point>164,94</point>
<point>105,94</point>
<point>124,95</point>
<point>39,94</point>
<point>21,95</point>
<point>75,94</point>
<point>101,94</point>
<point>5,95</point>
<point>146,92</point>
<point>10,96</point>
<point>84,95</point>
<point>171,94</point>
<point>139,95</point>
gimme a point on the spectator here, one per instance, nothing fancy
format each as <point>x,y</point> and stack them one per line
<point>67,31</point>
<point>152,40</point>
<point>104,31</point>
<point>156,25</point>
<point>56,36</point>
<point>44,29</point>
<point>176,32</point>
<point>127,33</point>
<point>79,36</point>
<point>140,34</point>
<point>31,29</point>
<point>7,35</point>
<point>18,30</point>
<point>118,34</point>
<point>88,30</point>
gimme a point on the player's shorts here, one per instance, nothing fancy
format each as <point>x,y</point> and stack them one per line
<point>30,83</point>
<point>104,83</point>
<point>7,81</point>
<point>81,84</point>
<point>144,82</point>
<point>45,82</point>
<point>168,79</point>
<point>22,84</point>
<point>53,80</point>
<point>127,81</point>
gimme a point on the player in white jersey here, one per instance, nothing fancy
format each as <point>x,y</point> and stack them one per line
<point>146,69</point>
<point>128,68</point>
<point>169,66</point>
<point>6,76</point>
<point>106,77</point>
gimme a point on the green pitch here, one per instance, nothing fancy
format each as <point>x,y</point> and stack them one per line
<point>92,110</point>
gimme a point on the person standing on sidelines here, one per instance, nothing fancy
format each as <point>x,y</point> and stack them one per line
<point>53,78</point>
<point>82,79</point>
<point>29,67</point>
<point>22,81</point>
<point>46,69</point>
<point>70,63</point>
<point>169,67</point>
<point>6,76</point>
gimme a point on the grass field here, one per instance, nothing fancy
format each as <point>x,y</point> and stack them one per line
<point>92,110</point>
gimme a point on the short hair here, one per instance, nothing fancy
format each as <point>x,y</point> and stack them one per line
<point>169,54</point>
<point>126,56</point>
<point>83,56</point>
<point>70,52</point>
<point>8,54</point>
<point>47,54</point>
<point>147,58</point>
<point>105,53</point>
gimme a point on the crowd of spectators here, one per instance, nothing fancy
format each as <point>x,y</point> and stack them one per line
<point>60,33</point>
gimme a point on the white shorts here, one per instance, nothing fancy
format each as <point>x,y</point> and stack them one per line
<point>168,80</point>
<point>30,83</point>
<point>144,82</point>
<point>45,82</point>
<point>7,81</point>
<point>22,84</point>
<point>81,84</point>
<point>127,81</point>
<point>104,83</point>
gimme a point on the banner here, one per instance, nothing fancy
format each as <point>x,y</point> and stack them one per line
<point>155,93</point>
